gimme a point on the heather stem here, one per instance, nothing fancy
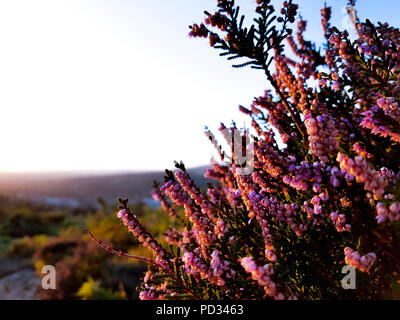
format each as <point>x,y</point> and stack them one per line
<point>284,100</point>
<point>120,253</point>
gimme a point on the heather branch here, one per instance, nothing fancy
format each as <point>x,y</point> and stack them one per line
<point>120,253</point>
<point>285,101</point>
<point>240,43</point>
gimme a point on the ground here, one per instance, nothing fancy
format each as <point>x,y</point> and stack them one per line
<point>18,280</point>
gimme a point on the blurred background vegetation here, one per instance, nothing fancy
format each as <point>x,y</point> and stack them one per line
<point>33,235</point>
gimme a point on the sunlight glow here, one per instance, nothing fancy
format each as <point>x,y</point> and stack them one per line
<point>114,85</point>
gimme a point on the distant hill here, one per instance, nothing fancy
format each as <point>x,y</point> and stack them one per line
<point>82,189</point>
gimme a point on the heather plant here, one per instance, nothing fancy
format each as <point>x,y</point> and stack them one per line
<point>323,191</point>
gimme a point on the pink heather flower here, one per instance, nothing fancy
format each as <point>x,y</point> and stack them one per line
<point>383,213</point>
<point>360,169</point>
<point>348,250</point>
<point>315,200</point>
<point>191,189</point>
<point>316,188</point>
<point>193,264</point>
<point>335,86</point>
<point>248,264</point>
<point>269,253</point>
<point>335,182</point>
<point>145,295</point>
<point>354,259</point>
<point>369,122</point>
<point>133,225</point>
<point>317,209</point>
<point>147,277</point>
<point>121,213</point>
<point>220,228</point>
<point>380,219</point>
<point>184,193</point>
<point>381,210</point>
<point>395,208</point>
<point>323,196</point>
<point>218,268</point>
<point>234,197</point>
<point>172,236</point>
<point>160,197</point>
<point>262,276</point>
<point>322,135</point>
<point>218,20</point>
<point>325,17</point>
<point>166,185</point>
<point>199,31</point>
<point>386,43</point>
<point>287,179</point>
<point>389,107</point>
<point>339,220</point>
<point>361,151</point>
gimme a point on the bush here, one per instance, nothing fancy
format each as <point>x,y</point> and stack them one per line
<point>75,261</point>
<point>92,290</point>
<point>319,186</point>
<point>26,246</point>
<point>5,243</point>
<point>28,222</point>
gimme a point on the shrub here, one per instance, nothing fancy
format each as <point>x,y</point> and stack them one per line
<point>5,243</point>
<point>29,222</point>
<point>25,247</point>
<point>92,290</point>
<point>75,261</point>
<point>319,186</point>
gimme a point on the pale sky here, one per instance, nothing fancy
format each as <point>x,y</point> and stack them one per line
<point>119,85</point>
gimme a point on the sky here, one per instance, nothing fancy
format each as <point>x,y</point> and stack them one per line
<point>117,85</point>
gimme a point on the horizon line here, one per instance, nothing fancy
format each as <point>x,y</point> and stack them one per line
<point>90,171</point>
